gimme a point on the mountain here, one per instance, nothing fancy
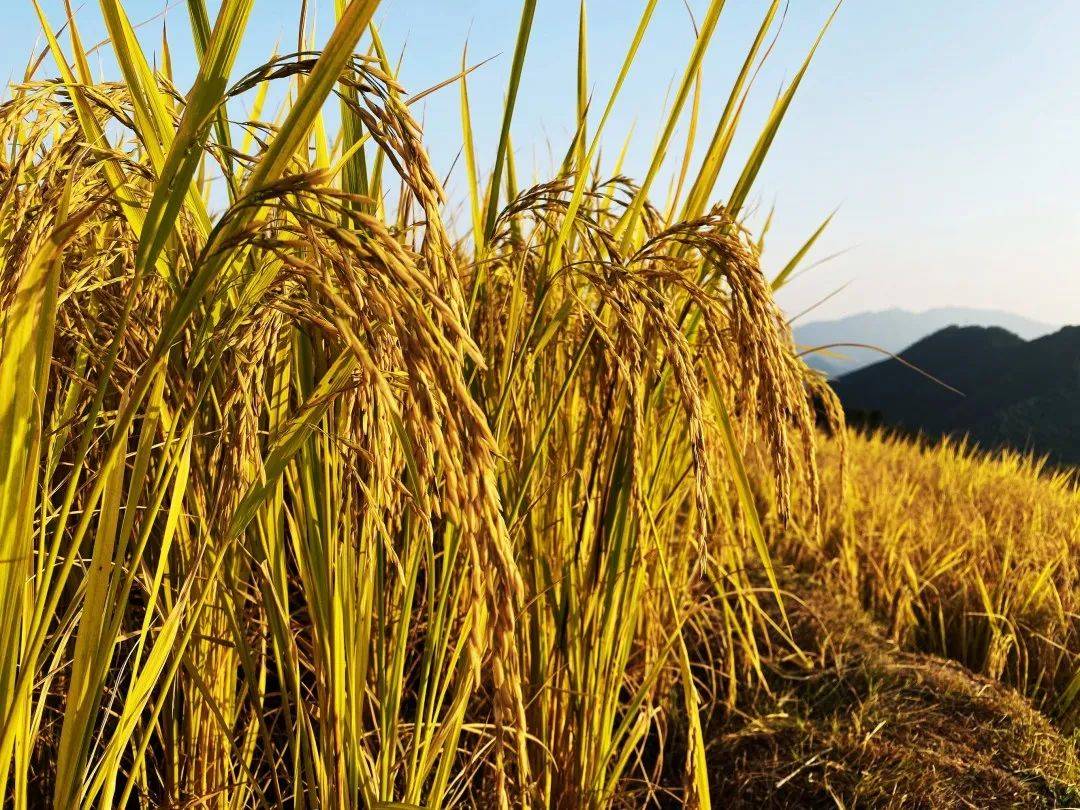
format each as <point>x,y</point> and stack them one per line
<point>896,329</point>
<point>1016,393</point>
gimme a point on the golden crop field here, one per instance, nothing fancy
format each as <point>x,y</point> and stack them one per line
<point>969,557</point>
<point>321,502</point>
<point>928,555</point>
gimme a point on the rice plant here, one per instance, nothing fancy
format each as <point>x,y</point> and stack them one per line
<point>962,554</point>
<point>316,502</point>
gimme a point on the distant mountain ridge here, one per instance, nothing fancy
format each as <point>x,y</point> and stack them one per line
<point>895,329</point>
<point>1017,393</point>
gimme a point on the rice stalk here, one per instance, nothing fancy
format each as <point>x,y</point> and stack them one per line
<point>315,502</point>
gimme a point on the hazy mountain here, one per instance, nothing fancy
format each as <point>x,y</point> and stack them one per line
<point>896,329</point>
<point>1016,393</point>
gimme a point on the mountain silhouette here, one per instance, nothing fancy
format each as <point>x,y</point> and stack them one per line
<point>896,329</point>
<point>1016,393</point>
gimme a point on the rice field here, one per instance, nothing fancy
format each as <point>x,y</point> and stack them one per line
<point>317,498</point>
<point>964,555</point>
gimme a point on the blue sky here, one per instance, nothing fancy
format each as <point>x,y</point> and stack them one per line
<point>946,132</point>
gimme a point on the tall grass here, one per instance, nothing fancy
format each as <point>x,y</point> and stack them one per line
<point>314,503</point>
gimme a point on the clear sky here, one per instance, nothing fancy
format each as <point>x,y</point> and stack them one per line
<point>947,131</point>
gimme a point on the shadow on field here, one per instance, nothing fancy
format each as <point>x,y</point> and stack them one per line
<point>873,726</point>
